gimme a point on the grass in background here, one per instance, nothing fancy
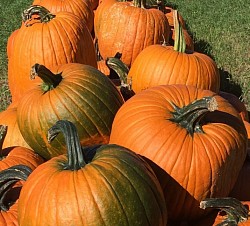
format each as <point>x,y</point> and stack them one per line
<point>220,28</point>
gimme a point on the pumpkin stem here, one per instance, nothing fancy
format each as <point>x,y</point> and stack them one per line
<point>8,178</point>
<point>235,210</point>
<point>189,116</point>
<point>120,68</point>
<point>139,3</point>
<point>50,80</point>
<point>3,132</point>
<point>179,40</point>
<point>44,15</point>
<point>76,158</point>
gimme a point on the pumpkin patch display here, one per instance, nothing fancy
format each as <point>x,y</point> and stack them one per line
<point>76,92</point>
<point>164,64</point>
<point>194,140</point>
<point>50,39</point>
<point>128,28</point>
<point>11,181</point>
<point>92,186</point>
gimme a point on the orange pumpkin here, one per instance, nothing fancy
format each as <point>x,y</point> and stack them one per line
<point>162,64</point>
<point>128,28</point>
<point>191,149</point>
<point>13,137</point>
<point>50,39</point>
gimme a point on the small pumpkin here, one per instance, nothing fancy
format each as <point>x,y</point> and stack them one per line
<point>75,92</point>
<point>92,186</point>
<point>193,139</point>
<point>11,181</point>
<point>16,155</point>
<point>53,39</point>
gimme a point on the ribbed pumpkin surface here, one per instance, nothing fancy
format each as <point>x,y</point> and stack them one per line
<point>161,65</point>
<point>190,167</point>
<point>85,96</point>
<point>115,188</point>
<point>64,39</point>
<point>128,29</point>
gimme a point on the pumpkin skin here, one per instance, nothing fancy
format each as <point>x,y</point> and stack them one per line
<point>13,137</point>
<point>81,8</point>
<point>128,29</point>
<point>162,65</point>
<point>110,186</point>
<point>144,124</point>
<point>63,39</point>
<point>84,95</point>
<point>16,155</point>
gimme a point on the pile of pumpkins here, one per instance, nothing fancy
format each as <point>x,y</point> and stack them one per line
<point>116,120</point>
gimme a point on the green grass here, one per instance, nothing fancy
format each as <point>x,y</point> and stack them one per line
<point>219,28</point>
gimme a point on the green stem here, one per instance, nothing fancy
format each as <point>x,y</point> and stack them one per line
<point>44,15</point>
<point>235,210</point>
<point>120,68</point>
<point>139,3</point>
<point>8,178</point>
<point>50,80</point>
<point>189,117</point>
<point>3,132</point>
<point>76,158</point>
<point>179,39</point>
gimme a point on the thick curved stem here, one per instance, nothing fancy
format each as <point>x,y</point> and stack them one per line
<point>44,15</point>
<point>76,158</point>
<point>235,210</point>
<point>179,40</point>
<point>189,116</point>
<point>50,80</point>
<point>8,178</point>
<point>121,70</point>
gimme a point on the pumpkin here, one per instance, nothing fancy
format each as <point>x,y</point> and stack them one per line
<point>163,64</point>
<point>16,155</point>
<point>10,42</point>
<point>81,8</point>
<point>53,39</point>
<point>128,28</point>
<point>75,92</point>
<point>92,186</point>
<point>13,137</point>
<point>9,193</point>
<point>193,139</point>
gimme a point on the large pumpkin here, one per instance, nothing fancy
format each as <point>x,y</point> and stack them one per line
<point>163,64</point>
<point>195,153</point>
<point>81,8</point>
<point>128,28</point>
<point>49,39</point>
<point>75,92</point>
<point>91,186</point>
